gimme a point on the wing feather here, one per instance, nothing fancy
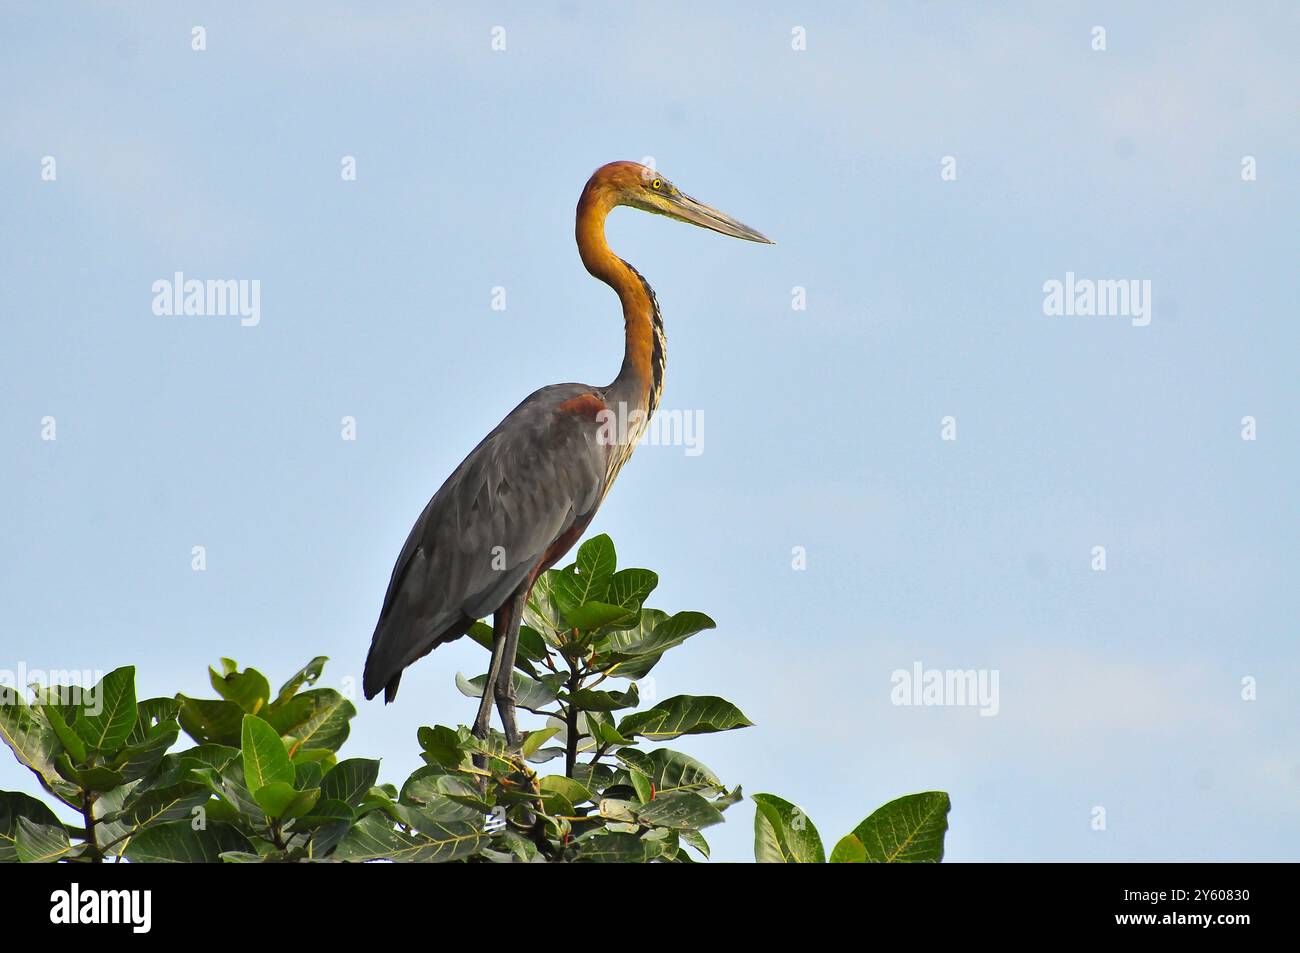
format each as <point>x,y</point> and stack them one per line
<point>534,478</point>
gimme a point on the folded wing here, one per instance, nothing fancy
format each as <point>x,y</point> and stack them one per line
<point>531,482</point>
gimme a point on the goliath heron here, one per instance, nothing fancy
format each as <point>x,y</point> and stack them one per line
<point>526,493</point>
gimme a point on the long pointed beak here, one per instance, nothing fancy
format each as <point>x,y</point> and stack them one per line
<point>697,213</point>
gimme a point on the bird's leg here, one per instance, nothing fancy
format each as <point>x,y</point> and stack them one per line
<point>485,703</point>
<point>506,624</point>
<point>506,707</point>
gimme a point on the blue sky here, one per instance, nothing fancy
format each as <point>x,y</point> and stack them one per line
<point>1120,689</point>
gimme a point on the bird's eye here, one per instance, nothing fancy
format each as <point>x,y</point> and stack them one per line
<point>657,184</point>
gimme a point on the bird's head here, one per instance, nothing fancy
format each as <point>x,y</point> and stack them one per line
<point>639,186</point>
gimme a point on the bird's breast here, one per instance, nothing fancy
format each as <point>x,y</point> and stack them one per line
<point>621,427</point>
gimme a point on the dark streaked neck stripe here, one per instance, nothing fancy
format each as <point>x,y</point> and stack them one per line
<point>659,354</point>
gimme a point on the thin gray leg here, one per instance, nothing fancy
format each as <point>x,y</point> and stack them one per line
<point>485,703</point>
<point>506,624</point>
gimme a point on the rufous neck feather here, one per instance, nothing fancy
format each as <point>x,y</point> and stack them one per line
<point>641,376</point>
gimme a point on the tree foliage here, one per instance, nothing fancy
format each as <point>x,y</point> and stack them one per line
<point>263,780</point>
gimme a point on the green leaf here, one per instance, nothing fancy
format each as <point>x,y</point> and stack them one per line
<point>211,720</point>
<point>541,612</point>
<point>219,767</point>
<point>229,786</point>
<point>644,787</point>
<point>599,726</point>
<point>532,647</point>
<point>671,632</point>
<point>630,587</point>
<point>329,822</point>
<point>156,730</point>
<point>248,689</point>
<point>681,810</point>
<point>597,559</point>
<point>14,805</point>
<point>569,789</point>
<point>325,812</point>
<point>783,834</point>
<point>108,711</point>
<point>64,697</point>
<point>521,848</point>
<point>171,802</point>
<point>178,843</point>
<point>593,777</point>
<point>375,837</point>
<point>696,839</point>
<point>68,737</point>
<point>348,781</point>
<point>307,774</point>
<point>684,715</point>
<point>531,694</point>
<point>88,779</point>
<point>588,579</point>
<point>661,843</point>
<point>556,805</point>
<point>596,615</point>
<point>657,633</point>
<point>308,675</point>
<point>618,810</point>
<point>610,654</point>
<point>39,843</point>
<point>502,758</point>
<point>633,653</point>
<point>214,756</point>
<point>441,745</point>
<point>153,717</point>
<point>32,741</point>
<point>735,796</point>
<point>535,739</point>
<point>672,771</point>
<point>849,851</point>
<point>588,699</point>
<point>265,759</point>
<point>444,797</point>
<point>605,847</point>
<point>907,830</point>
<point>323,757</point>
<point>432,817</point>
<point>279,799</point>
<point>106,808</point>
<point>313,719</point>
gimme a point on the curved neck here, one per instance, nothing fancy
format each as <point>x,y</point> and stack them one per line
<point>640,379</point>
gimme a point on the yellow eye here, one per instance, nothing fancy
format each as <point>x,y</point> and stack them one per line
<point>657,184</point>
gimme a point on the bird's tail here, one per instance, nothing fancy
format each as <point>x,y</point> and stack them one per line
<point>392,649</point>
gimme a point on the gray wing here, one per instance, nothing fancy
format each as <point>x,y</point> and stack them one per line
<point>535,478</point>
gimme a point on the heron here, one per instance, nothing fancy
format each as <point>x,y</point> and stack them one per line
<point>528,491</point>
